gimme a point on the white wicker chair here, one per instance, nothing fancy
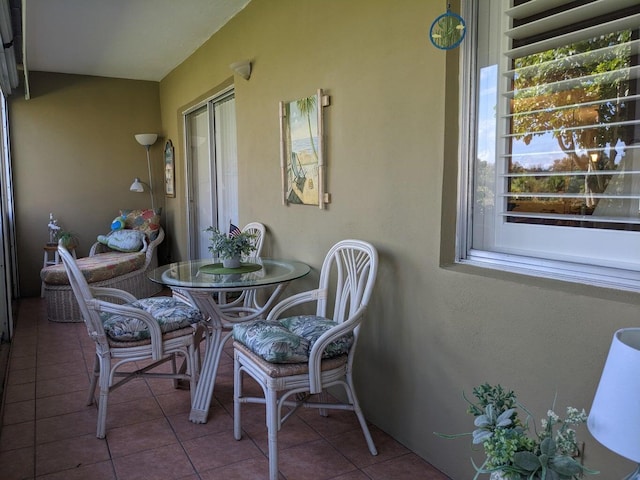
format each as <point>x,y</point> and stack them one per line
<point>351,266</point>
<point>173,328</point>
<point>248,297</point>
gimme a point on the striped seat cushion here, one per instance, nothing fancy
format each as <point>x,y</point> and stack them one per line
<point>103,266</point>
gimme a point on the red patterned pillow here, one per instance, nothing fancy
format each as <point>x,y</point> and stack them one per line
<point>147,221</point>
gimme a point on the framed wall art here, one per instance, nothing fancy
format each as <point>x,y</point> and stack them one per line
<point>169,170</point>
<point>302,162</point>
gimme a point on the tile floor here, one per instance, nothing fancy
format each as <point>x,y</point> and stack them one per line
<point>48,431</point>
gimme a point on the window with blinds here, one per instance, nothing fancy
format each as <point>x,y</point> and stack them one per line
<point>550,182</point>
<point>572,136</point>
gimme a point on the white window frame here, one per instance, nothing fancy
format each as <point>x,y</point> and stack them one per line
<point>555,264</point>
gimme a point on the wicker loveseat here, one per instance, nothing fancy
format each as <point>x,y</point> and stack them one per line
<point>105,267</point>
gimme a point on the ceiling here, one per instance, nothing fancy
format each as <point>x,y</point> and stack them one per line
<point>133,39</point>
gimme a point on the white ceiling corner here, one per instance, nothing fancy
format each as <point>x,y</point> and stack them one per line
<point>133,39</point>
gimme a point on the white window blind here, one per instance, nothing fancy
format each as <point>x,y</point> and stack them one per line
<point>555,156</point>
<point>570,153</point>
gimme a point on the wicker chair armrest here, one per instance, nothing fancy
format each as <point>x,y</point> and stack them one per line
<point>123,295</point>
<point>97,248</point>
<point>297,299</point>
<point>315,356</point>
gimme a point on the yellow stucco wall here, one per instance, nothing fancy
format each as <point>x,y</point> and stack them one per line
<point>433,330</point>
<point>74,155</point>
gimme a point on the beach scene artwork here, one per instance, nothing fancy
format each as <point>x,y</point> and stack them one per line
<point>302,151</point>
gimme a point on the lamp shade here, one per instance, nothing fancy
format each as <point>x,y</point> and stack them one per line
<point>614,419</point>
<point>136,186</point>
<point>146,139</point>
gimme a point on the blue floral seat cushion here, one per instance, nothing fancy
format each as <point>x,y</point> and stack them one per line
<point>170,313</point>
<point>289,340</point>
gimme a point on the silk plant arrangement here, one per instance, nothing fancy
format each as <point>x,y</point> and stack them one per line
<point>512,451</point>
<point>230,245</point>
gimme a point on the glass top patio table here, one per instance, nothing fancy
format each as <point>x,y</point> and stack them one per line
<point>199,282</point>
<point>195,274</point>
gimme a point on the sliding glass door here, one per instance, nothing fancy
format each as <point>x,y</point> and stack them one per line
<point>212,169</point>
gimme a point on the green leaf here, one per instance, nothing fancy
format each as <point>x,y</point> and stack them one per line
<point>548,447</point>
<point>480,435</point>
<point>566,466</point>
<point>527,461</point>
<point>504,420</point>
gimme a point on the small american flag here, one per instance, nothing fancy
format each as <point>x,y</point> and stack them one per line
<point>233,230</point>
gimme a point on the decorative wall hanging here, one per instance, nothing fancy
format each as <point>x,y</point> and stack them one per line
<point>302,160</point>
<point>169,170</point>
<point>448,30</point>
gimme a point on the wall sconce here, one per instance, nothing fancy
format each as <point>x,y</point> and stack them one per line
<point>615,417</point>
<point>242,68</point>
<point>146,140</point>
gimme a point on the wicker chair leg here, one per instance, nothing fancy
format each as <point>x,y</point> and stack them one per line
<point>237,395</point>
<point>353,399</point>
<point>105,368</point>
<point>273,424</point>
<point>94,381</point>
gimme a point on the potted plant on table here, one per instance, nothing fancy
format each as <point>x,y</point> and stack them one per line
<point>511,451</point>
<point>230,246</point>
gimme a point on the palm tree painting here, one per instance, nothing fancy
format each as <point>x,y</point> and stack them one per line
<point>301,150</point>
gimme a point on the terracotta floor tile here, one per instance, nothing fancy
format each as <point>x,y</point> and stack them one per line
<point>168,462</point>
<point>17,377</point>
<point>314,461</point>
<point>256,468</point>
<point>61,404</point>
<point>66,426</point>
<point>19,412</point>
<point>219,449</point>
<point>23,362</point>
<point>97,471</point>
<point>20,392</point>
<point>17,464</point>
<point>219,421</point>
<point>140,437</point>
<point>70,453</point>
<point>48,431</point>
<point>354,446</point>
<point>18,435</point>
<point>135,411</point>
<point>56,386</point>
<point>406,467</point>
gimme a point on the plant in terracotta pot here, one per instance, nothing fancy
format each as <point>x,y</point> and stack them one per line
<point>230,247</point>
<point>69,239</point>
<point>512,451</point>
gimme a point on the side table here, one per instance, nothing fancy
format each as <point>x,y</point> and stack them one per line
<point>49,250</point>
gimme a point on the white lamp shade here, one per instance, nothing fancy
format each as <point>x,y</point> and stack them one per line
<point>614,419</point>
<point>137,186</point>
<point>146,139</point>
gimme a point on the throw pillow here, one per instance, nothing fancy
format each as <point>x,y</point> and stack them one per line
<point>147,221</point>
<point>118,223</point>
<point>123,240</point>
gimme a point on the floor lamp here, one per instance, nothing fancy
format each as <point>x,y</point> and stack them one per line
<point>146,140</point>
